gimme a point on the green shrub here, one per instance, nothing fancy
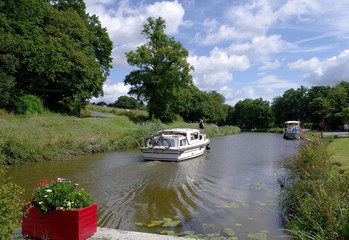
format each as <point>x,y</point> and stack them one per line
<point>307,125</point>
<point>10,203</point>
<point>29,104</point>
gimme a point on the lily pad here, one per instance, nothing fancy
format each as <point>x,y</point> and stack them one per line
<point>154,223</point>
<point>171,223</point>
<point>140,224</point>
<point>189,232</point>
<point>232,205</point>
<point>169,233</point>
<point>262,235</point>
<point>213,235</point>
<point>260,203</point>
<point>229,231</point>
<point>239,225</point>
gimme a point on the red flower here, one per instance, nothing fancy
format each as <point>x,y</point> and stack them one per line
<point>39,183</point>
<point>46,181</point>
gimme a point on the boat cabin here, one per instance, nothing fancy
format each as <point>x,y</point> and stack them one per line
<point>182,137</point>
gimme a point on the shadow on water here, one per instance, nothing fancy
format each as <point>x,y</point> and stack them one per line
<point>231,191</point>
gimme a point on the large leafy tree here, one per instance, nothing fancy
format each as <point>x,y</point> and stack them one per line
<point>162,71</point>
<point>292,105</point>
<point>219,109</point>
<point>250,114</point>
<point>196,105</point>
<point>54,50</point>
<point>126,102</point>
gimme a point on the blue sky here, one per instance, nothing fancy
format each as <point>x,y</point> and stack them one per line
<point>240,48</point>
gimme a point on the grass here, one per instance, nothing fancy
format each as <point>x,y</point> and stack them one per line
<point>265,130</point>
<point>315,198</point>
<point>339,151</point>
<point>34,138</point>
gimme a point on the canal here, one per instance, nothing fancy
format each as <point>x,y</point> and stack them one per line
<point>229,193</point>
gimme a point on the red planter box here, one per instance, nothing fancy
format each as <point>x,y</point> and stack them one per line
<point>68,224</point>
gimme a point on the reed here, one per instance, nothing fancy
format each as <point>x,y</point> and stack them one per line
<point>315,198</point>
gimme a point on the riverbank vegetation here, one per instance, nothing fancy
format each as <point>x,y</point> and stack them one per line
<point>33,138</point>
<point>315,198</point>
<point>11,204</point>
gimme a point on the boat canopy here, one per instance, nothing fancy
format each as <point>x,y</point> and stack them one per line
<point>292,122</point>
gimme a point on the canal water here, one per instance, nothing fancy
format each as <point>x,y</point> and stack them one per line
<point>229,193</point>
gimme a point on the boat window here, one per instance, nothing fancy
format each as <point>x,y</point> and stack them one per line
<point>183,142</point>
<point>172,142</point>
<point>194,136</point>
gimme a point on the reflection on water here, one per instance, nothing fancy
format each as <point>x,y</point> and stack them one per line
<point>230,191</point>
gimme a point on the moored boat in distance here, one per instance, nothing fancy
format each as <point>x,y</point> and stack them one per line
<point>293,130</point>
<point>173,145</point>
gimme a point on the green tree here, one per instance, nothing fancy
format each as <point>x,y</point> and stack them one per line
<point>61,54</point>
<point>319,108</point>
<point>102,103</point>
<point>126,102</point>
<point>219,109</point>
<point>162,71</point>
<point>196,105</point>
<point>345,115</point>
<point>338,98</point>
<point>292,105</point>
<point>249,114</point>
<point>6,85</point>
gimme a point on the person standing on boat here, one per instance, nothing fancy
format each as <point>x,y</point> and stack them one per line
<point>202,126</point>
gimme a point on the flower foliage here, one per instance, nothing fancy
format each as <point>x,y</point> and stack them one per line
<point>60,194</point>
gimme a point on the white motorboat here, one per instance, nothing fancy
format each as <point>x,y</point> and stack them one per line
<point>293,130</point>
<point>175,145</point>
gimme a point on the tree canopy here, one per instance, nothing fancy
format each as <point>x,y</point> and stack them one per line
<point>162,71</point>
<point>125,102</point>
<point>54,50</point>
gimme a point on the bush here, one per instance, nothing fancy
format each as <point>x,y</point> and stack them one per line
<point>10,203</point>
<point>29,104</point>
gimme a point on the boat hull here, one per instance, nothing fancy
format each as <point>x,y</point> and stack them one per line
<point>292,136</point>
<point>173,155</point>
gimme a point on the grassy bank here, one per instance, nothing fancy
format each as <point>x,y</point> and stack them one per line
<point>339,151</point>
<point>264,130</point>
<point>54,137</point>
<point>315,198</point>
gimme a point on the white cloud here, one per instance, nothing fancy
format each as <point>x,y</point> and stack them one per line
<point>255,19</point>
<point>232,96</point>
<point>270,83</point>
<point>125,23</point>
<point>112,92</point>
<point>267,88</point>
<point>215,70</point>
<point>297,8</point>
<point>327,72</point>
<point>261,47</point>
<point>172,12</point>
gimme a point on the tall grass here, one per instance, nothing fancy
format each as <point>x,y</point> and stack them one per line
<point>316,198</point>
<point>37,138</point>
